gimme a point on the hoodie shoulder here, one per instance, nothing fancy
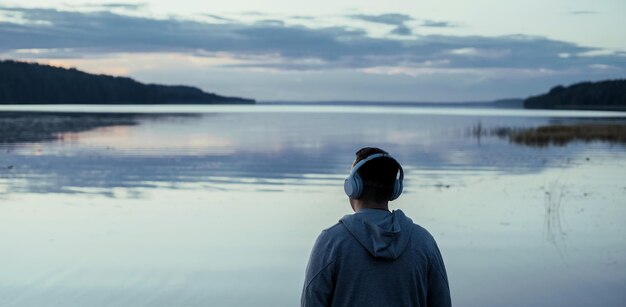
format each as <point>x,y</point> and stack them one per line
<point>423,241</point>
<point>421,231</point>
<point>333,235</point>
<point>335,229</point>
<point>416,229</point>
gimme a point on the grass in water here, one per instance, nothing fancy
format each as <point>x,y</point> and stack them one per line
<point>561,135</point>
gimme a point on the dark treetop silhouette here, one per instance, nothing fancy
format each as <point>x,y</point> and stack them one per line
<point>31,83</point>
<point>603,95</point>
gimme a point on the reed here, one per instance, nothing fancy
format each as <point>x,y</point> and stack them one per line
<point>561,135</point>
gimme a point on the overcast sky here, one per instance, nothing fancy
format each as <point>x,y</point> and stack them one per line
<point>444,50</point>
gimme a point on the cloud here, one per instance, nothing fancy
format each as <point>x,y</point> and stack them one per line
<point>402,30</point>
<point>584,12</point>
<point>273,44</point>
<point>128,6</point>
<point>270,23</point>
<point>387,19</point>
<point>398,20</point>
<point>115,6</point>
<point>217,17</point>
<point>437,24</point>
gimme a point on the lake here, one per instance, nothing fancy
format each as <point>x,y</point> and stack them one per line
<point>220,205</point>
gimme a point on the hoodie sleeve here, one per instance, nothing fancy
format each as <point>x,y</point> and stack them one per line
<point>319,282</point>
<point>438,288</point>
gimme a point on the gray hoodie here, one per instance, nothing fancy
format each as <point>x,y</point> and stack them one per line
<point>375,258</point>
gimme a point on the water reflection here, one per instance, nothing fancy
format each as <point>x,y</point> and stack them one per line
<point>553,197</point>
<point>32,127</point>
<point>166,210</point>
<point>561,135</point>
<point>95,153</point>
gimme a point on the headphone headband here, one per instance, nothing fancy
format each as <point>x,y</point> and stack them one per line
<point>356,167</point>
<point>353,185</point>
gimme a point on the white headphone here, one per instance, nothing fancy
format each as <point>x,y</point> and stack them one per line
<point>353,185</point>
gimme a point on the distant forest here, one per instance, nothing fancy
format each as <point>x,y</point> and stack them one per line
<point>32,83</point>
<point>603,95</point>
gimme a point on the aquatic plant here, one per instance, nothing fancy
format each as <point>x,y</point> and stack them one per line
<point>557,135</point>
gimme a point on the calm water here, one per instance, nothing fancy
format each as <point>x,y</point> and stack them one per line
<point>219,206</point>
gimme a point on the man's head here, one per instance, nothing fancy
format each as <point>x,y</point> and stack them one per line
<point>378,175</point>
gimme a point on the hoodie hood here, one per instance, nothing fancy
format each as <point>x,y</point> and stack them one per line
<point>383,234</point>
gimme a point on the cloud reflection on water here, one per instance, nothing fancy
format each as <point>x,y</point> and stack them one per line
<point>97,153</point>
<point>180,218</point>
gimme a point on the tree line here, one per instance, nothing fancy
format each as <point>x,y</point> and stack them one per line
<point>32,83</point>
<point>603,95</point>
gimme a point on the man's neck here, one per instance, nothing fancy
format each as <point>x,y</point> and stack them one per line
<point>359,204</point>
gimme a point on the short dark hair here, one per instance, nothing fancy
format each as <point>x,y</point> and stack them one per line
<point>378,175</point>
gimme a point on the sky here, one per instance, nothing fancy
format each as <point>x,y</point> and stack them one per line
<point>285,50</point>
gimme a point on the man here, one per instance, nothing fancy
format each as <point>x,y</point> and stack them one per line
<point>375,257</point>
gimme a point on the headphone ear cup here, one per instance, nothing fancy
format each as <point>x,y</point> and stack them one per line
<point>353,186</point>
<point>397,190</point>
<point>348,186</point>
<point>358,184</point>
